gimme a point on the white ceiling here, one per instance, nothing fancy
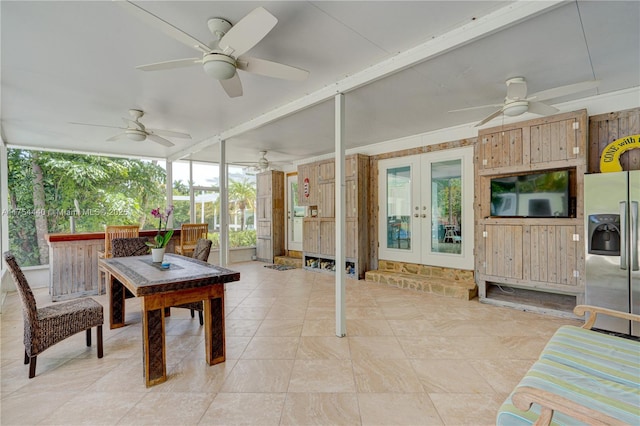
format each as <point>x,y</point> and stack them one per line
<point>402,66</point>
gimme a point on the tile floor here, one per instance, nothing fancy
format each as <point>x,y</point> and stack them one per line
<point>408,359</point>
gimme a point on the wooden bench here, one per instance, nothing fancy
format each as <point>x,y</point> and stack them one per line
<point>581,376</point>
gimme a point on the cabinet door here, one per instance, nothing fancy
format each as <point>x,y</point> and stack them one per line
<point>553,141</point>
<point>553,254</point>
<point>351,237</point>
<point>502,149</point>
<point>311,235</point>
<point>351,197</point>
<point>326,170</point>
<point>326,199</point>
<point>328,237</point>
<point>503,251</point>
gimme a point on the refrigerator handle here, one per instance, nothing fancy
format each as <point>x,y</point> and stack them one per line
<point>624,233</point>
<point>634,236</point>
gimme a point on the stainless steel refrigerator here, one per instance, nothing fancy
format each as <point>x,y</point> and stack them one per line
<point>612,262</point>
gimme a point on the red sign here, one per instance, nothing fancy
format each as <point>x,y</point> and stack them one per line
<point>306,187</point>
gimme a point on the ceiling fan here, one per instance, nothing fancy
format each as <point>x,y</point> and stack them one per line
<point>223,56</point>
<point>517,102</point>
<point>262,165</point>
<point>137,132</point>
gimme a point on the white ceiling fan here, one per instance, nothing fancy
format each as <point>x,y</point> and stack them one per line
<point>224,55</point>
<point>137,132</point>
<point>517,102</point>
<point>262,165</point>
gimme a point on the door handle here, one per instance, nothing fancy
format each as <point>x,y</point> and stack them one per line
<point>634,236</point>
<point>625,232</point>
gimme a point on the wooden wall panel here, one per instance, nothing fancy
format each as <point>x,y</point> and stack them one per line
<point>606,128</point>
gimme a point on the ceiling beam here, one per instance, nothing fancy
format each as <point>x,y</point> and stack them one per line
<point>476,29</point>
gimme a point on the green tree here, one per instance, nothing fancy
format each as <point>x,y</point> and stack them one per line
<point>45,187</point>
<point>242,196</point>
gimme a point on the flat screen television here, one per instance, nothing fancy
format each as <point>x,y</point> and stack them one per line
<point>532,195</point>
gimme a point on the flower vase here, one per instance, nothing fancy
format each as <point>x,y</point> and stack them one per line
<point>157,254</point>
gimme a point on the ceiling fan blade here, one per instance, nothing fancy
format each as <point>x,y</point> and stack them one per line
<point>169,133</point>
<point>271,69</point>
<point>489,118</point>
<point>476,107</point>
<point>178,63</point>
<point>569,89</point>
<point>247,32</point>
<point>516,88</point>
<point>233,86</point>
<point>158,139</point>
<point>162,25</point>
<point>117,137</point>
<point>542,109</point>
<point>98,125</point>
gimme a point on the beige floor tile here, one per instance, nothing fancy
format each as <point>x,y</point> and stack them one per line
<point>271,348</point>
<point>322,375</point>
<point>386,376</point>
<point>320,409</point>
<point>259,375</point>
<point>245,409</point>
<point>281,328</point>
<point>410,409</point>
<point>438,376</point>
<point>33,406</point>
<point>81,409</point>
<point>169,408</point>
<point>464,409</point>
<point>376,347</point>
<point>323,347</point>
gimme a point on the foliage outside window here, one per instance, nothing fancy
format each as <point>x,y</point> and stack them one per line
<point>47,189</point>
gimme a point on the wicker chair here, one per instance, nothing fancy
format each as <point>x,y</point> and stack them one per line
<point>125,247</point>
<point>201,252</point>
<point>47,326</point>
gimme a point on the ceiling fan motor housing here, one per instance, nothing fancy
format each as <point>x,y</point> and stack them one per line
<point>219,66</point>
<point>135,135</point>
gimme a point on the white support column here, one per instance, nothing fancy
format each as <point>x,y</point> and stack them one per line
<point>340,214</point>
<point>224,207</point>
<point>4,214</point>
<point>192,203</point>
<point>169,194</point>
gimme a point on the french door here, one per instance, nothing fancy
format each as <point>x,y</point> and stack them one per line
<point>426,208</point>
<point>295,215</point>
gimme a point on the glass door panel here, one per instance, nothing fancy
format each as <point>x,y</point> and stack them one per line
<point>295,215</point>
<point>398,209</point>
<point>446,206</point>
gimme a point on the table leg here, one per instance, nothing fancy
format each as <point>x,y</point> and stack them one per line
<point>116,302</point>
<point>155,370</point>
<point>214,338</point>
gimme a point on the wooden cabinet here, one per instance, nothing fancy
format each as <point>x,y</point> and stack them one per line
<point>319,243</point>
<point>269,215</point>
<point>541,254</point>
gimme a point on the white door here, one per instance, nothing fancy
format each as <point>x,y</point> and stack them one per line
<point>295,215</point>
<point>426,208</point>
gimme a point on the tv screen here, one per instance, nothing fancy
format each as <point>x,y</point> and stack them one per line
<point>532,195</point>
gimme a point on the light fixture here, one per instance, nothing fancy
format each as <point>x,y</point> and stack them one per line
<point>220,67</point>
<point>136,135</point>
<point>516,108</point>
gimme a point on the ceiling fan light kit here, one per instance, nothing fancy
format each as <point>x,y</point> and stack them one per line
<point>135,135</point>
<point>516,108</point>
<point>220,67</point>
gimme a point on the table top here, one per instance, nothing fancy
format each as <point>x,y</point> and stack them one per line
<point>143,277</point>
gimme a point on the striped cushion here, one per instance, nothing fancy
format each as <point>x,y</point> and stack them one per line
<point>596,370</point>
<point>609,357</point>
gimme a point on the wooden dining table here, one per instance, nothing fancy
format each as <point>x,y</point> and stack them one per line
<point>185,280</point>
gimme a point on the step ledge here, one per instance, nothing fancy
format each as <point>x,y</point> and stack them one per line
<point>439,286</point>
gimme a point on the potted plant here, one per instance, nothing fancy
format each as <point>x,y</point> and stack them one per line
<point>162,238</point>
